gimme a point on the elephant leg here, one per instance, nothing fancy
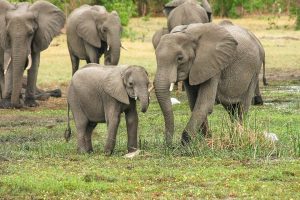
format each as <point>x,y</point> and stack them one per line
<point>206,96</point>
<point>6,101</point>
<point>1,74</point>
<point>246,102</point>
<point>81,126</point>
<point>88,136</point>
<point>132,125</point>
<point>92,53</point>
<point>257,100</point>
<point>192,93</point>
<point>112,124</point>
<point>31,81</point>
<point>75,63</point>
<point>233,111</point>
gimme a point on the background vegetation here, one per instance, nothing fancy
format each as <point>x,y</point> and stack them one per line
<point>222,8</point>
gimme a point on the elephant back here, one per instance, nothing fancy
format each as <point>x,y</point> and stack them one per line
<point>187,13</point>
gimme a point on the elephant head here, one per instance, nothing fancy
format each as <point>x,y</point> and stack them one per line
<point>193,53</point>
<point>129,82</point>
<point>27,29</point>
<point>96,26</point>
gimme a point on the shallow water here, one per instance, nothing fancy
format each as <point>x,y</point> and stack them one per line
<point>288,98</point>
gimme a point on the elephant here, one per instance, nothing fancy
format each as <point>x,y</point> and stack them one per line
<point>175,3</point>
<point>92,32</point>
<point>216,63</point>
<point>197,14</point>
<point>184,12</point>
<point>157,35</point>
<point>257,99</point>
<point>187,13</point>
<point>25,31</point>
<point>99,94</point>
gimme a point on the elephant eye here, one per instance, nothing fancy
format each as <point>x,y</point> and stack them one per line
<point>104,29</point>
<point>130,84</point>
<point>180,58</point>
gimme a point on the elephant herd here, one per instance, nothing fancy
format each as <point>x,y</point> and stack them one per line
<point>218,63</point>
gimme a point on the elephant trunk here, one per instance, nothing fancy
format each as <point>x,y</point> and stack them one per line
<point>162,92</point>
<point>114,45</point>
<point>144,99</point>
<point>19,59</point>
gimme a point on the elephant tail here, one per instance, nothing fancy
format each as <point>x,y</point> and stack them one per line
<point>68,131</point>
<point>264,73</point>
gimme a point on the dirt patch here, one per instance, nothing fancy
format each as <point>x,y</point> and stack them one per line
<point>274,74</point>
<point>279,38</point>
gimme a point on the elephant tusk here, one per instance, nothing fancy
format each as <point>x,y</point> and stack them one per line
<point>6,67</point>
<point>29,62</point>
<point>171,87</point>
<point>108,48</point>
<point>135,98</point>
<point>151,88</point>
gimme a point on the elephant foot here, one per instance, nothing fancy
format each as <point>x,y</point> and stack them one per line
<point>185,138</point>
<point>108,152</point>
<point>29,102</point>
<point>84,150</point>
<point>5,104</point>
<point>257,100</point>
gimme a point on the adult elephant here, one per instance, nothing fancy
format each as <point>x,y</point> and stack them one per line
<point>25,31</point>
<point>187,13</point>
<point>92,32</point>
<point>257,99</point>
<point>184,12</point>
<point>175,3</point>
<point>216,63</point>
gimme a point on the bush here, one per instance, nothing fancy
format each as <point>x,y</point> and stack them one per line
<point>125,8</point>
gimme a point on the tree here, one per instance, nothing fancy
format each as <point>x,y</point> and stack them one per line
<point>298,15</point>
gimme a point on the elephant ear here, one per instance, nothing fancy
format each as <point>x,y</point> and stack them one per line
<point>87,27</point>
<point>215,49</point>
<point>50,21</point>
<point>4,7</point>
<point>157,36</point>
<point>114,85</point>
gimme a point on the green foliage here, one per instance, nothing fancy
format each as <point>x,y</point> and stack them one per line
<point>125,8</point>
<point>298,20</point>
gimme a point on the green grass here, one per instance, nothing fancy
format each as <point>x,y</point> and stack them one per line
<point>36,162</point>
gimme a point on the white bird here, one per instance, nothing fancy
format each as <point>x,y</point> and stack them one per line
<point>174,101</point>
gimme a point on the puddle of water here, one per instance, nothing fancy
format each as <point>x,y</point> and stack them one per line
<point>291,103</point>
<point>292,89</point>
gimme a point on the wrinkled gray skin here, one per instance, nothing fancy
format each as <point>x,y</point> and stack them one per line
<point>157,35</point>
<point>92,32</point>
<point>184,12</point>
<point>216,63</point>
<point>100,94</point>
<point>25,30</point>
<point>187,13</point>
<point>175,3</point>
<point>257,99</point>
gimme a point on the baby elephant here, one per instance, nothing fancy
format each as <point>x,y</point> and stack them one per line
<point>99,94</point>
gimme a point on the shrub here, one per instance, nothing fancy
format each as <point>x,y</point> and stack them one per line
<point>125,8</point>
